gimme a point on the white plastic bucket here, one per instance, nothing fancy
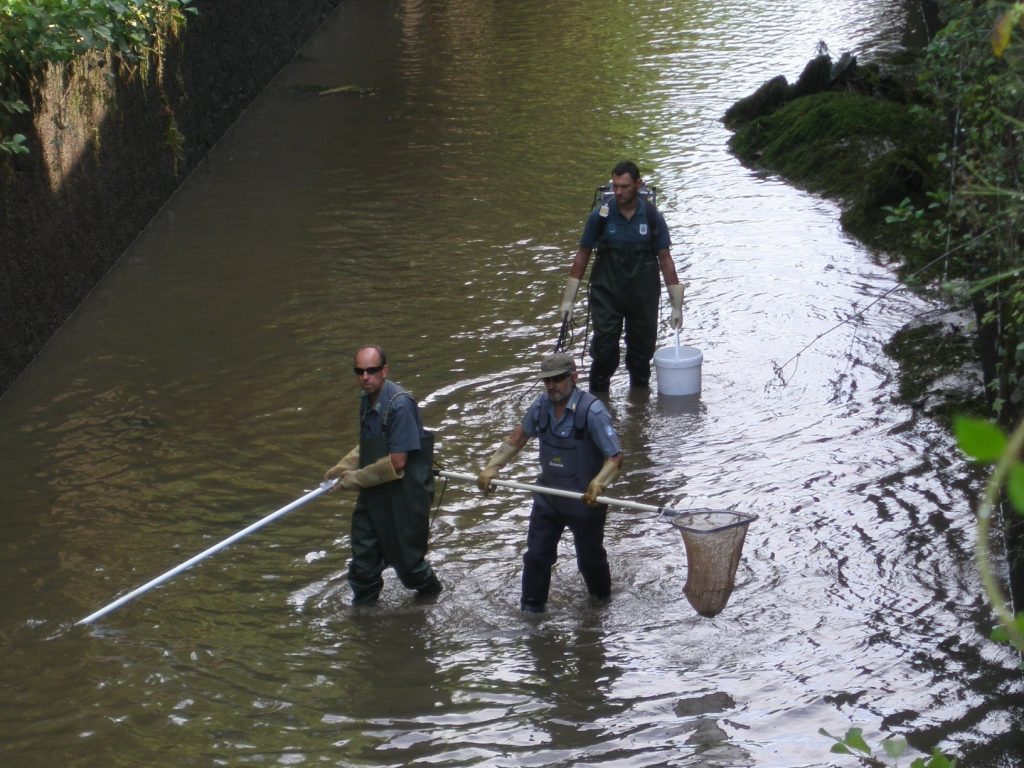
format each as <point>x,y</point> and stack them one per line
<point>678,370</point>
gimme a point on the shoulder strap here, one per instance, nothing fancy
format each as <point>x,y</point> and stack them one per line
<point>582,412</point>
<point>601,222</point>
<point>542,417</point>
<point>386,411</point>
<point>652,218</point>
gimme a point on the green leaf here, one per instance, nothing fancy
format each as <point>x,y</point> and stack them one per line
<point>981,440</point>
<point>939,760</point>
<point>894,746</point>
<point>840,749</point>
<point>1015,487</point>
<point>1001,33</point>
<point>856,740</point>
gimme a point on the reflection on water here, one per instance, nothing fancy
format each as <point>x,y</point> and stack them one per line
<point>434,209</point>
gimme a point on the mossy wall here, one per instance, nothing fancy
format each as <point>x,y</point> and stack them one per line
<point>108,146</point>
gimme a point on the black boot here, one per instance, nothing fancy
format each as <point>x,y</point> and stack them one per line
<point>598,579</point>
<point>432,588</point>
<point>536,583</point>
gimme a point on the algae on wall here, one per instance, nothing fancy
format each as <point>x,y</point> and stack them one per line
<point>108,146</point>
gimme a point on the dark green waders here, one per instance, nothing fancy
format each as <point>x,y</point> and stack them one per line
<point>624,290</point>
<point>390,525</point>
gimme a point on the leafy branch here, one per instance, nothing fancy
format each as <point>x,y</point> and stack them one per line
<point>853,744</point>
<point>37,33</point>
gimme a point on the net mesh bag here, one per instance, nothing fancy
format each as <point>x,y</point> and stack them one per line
<point>714,542</point>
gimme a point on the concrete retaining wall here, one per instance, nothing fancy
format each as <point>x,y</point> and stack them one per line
<point>108,148</point>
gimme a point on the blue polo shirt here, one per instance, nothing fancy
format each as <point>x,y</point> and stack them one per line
<point>635,231</point>
<point>599,422</point>
<point>404,426</point>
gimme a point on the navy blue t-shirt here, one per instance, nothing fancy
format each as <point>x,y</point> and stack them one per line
<point>635,231</point>
<point>404,426</point>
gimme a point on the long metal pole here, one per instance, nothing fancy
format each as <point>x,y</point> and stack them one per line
<point>324,486</point>
<point>560,492</point>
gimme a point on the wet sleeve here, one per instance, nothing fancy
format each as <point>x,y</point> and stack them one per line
<point>404,426</point>
<point>599,425</point>
<point>590,230</point>
<point>531,419</point>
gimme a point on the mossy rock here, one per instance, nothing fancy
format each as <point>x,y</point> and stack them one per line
<point>816,77</point>
<point>831,142</point>
<point>765,100</point>
<point>897,175</point>
<point>938,358</point>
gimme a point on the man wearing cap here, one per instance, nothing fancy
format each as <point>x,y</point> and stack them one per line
<point>632,243</point>
<point>580,452</point>
<point>392,470</point>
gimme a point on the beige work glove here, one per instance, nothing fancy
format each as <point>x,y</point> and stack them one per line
<point>347,463</point>
<point>675,293</point>
<point>381,471</point>
<point>569,296</point>
<point>505,453</point>
<point>602,480</point>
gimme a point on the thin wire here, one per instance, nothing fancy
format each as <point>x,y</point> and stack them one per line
<point>779,369</point>
<point>440,497</point>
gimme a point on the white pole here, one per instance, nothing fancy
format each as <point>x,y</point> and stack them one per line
<point>559,492</point>
<point>324,486</point>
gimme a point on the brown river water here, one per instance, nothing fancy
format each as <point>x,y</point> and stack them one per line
<point>205,383</point>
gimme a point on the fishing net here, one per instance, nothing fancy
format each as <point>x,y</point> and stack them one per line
<point>714,542</point>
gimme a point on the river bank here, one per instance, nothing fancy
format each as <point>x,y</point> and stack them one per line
<point>860,134</point>
<point>207,381</point>
<point>108,145</point>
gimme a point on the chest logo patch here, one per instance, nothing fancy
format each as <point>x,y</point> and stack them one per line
<point>643,229</point>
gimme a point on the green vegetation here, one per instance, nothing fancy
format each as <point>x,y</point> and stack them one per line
<point>931,171</point>
<point>844,144</point>
<point>853,743</point>
<point>986,443</point>
<point>37,33</point>
<point>971,82</point>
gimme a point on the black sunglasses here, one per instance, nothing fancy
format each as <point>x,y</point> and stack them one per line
<point>369,371</point>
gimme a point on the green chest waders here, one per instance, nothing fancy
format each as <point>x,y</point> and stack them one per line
<point>624,290</point>
<point>390,523</point>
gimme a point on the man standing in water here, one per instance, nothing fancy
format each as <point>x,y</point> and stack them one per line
<point>632,242</point>
<point>392,470</point>
<point>579,451</point>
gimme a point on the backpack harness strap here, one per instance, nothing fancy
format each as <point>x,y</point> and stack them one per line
<point>579,418</point>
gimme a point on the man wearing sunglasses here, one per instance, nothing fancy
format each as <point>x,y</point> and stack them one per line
<point>580,452</point>
<point>392,470</point>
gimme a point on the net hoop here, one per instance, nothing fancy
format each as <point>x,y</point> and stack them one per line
<point>697,520</point>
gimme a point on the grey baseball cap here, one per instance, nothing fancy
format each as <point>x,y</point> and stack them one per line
<point>557,364</point>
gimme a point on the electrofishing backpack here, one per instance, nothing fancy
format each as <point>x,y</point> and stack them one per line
<point>604,194</point>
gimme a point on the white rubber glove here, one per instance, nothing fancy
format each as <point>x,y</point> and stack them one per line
<point>675,293</point>
<point>572,286</point>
